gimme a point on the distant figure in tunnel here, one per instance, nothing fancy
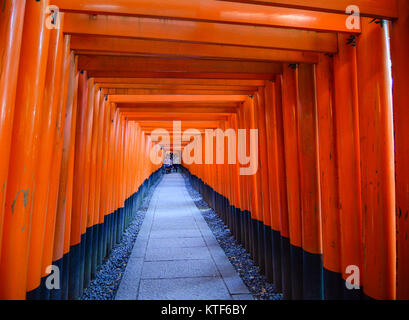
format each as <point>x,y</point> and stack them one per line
<point>168,163</point>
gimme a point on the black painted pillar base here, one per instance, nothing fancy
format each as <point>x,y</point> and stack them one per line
<point>88,257</point>
<point>296,272</point>
<point>260,245</point>
<point>313,277</point>
<point>286,268</point>
<point>238,234</point>
<point>276,252</point>
<point>74,272</point>
<point>268,254</point>
<point>333,285</point>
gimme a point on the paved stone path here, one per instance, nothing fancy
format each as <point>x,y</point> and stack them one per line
<point>176,256</point>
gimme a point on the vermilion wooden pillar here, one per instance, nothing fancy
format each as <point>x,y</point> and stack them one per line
<point>64,202</point>
<point>115,174</point>
<point>40,219</point>
<point>50,234</point>
<point>333,286</point>
<point>273,180</point>
<point>310,183</point>
<point>237,188</point>
<point>98,99</point>
<point>400,71</point>
<point>243,191</point>
<point>85,196</point>
<point>107,185</point>
<point>110,188</point>
<point>78,184</point>
<point>104,112</point>
<point>261,177</point>
<point>290,120</point>
<point>11,31</point>
<point>121,180</point>
<point>377,158</point>
<point>252,181</point>
<point>348,159</point>
<point>265,153</point>
<point>282,187</point>
<point>24,152</point>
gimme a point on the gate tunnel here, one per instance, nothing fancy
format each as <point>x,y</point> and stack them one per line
<point>84,84</point>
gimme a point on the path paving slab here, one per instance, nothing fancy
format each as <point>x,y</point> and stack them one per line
<point>198,288</point>
<point>168,254</point>
<point>176,256</point>
<point>179,269</point>
<point>177,243</point>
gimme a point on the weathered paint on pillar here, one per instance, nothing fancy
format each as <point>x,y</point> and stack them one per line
<point>377,158</point>
<point>400,71</point>
<point>24,152</point>
<point>11,31</point>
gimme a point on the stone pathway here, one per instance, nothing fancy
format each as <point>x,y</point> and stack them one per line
<point>176,256</point>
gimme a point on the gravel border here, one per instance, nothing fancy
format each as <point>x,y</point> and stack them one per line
<point>250,273</point>
<point>109,274</point>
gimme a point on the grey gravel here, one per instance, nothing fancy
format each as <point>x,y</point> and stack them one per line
<point>109,274</point>
<point>241,260</point>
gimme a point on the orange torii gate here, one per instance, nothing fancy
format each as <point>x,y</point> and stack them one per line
<point>79,103</point>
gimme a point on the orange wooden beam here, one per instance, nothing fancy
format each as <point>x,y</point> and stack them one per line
<point>177,107</point>
<point>185,124</point>
<point>177,91</point>
<point>165,111</point>
<point>212,11</point>
<point>179,133</point>
<point>177,117</point>
<point>369,8</point>
<point>175,98</point>
<point>84,44</point>
<point>175,81</point>
<point>173,134</point>
<point>152,64</point>
<point>149,130</point>
<point>174,87</point>
<point>178,75</point>
<point>200,32</point>
<point>172,137</point>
